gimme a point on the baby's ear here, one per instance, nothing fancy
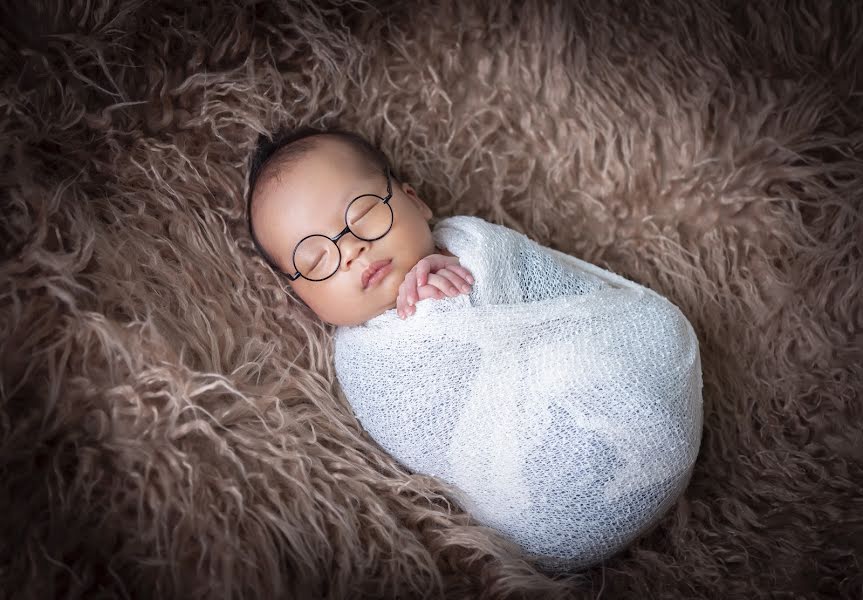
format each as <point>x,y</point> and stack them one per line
<point>421,206</point>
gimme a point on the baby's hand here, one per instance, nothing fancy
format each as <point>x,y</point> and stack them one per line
<point>432,277</point>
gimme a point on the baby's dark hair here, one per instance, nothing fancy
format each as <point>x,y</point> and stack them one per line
<point>287,146</point>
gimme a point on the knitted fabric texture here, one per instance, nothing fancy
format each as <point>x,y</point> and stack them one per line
<point>562,401</point>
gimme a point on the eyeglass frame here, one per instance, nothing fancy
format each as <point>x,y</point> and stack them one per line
<point>347,229</point>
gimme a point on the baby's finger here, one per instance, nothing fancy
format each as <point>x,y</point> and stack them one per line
<point>430,291</point>
<point>455,279</point>
<point>410,283</point>
<point>422,270</point>
<point>443,284</point>
<point>400,301</point>
<point>423,292</point>
<point>404,309</point>
<point>433,262</point>
<point>465,274</point>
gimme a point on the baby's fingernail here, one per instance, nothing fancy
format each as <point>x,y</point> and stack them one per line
<point>410,301</point>
<point>465,288</point>
<point>470,279</point>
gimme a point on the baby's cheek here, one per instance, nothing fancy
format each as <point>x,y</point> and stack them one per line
<point>392,283</point>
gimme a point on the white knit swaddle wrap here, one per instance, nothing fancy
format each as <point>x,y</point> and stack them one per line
<point>563,401</point>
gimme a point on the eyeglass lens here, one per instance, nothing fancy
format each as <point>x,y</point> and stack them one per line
<point>317,256</point>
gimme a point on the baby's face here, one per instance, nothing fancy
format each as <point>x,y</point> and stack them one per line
<point>310,196</point>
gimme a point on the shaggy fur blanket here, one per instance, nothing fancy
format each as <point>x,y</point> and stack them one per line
<point>170,424</point>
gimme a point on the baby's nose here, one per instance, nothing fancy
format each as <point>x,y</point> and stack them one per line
<point>352,249</point>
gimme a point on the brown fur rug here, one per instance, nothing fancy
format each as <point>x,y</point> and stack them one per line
<point>170,425</point>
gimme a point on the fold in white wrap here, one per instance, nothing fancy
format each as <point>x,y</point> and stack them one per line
<point>561,400</point>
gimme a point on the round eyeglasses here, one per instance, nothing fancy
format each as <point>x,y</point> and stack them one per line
<point>369,217</point>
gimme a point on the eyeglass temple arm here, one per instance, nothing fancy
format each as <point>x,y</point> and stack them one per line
<point>389,183</point>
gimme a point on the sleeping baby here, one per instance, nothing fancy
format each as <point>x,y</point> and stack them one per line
<point>560,401</point>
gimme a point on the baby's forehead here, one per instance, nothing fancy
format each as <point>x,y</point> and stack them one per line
<point>323,162</point>
<point>315,184</point>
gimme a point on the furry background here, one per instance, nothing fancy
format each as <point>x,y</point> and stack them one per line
<point>170,426</point>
